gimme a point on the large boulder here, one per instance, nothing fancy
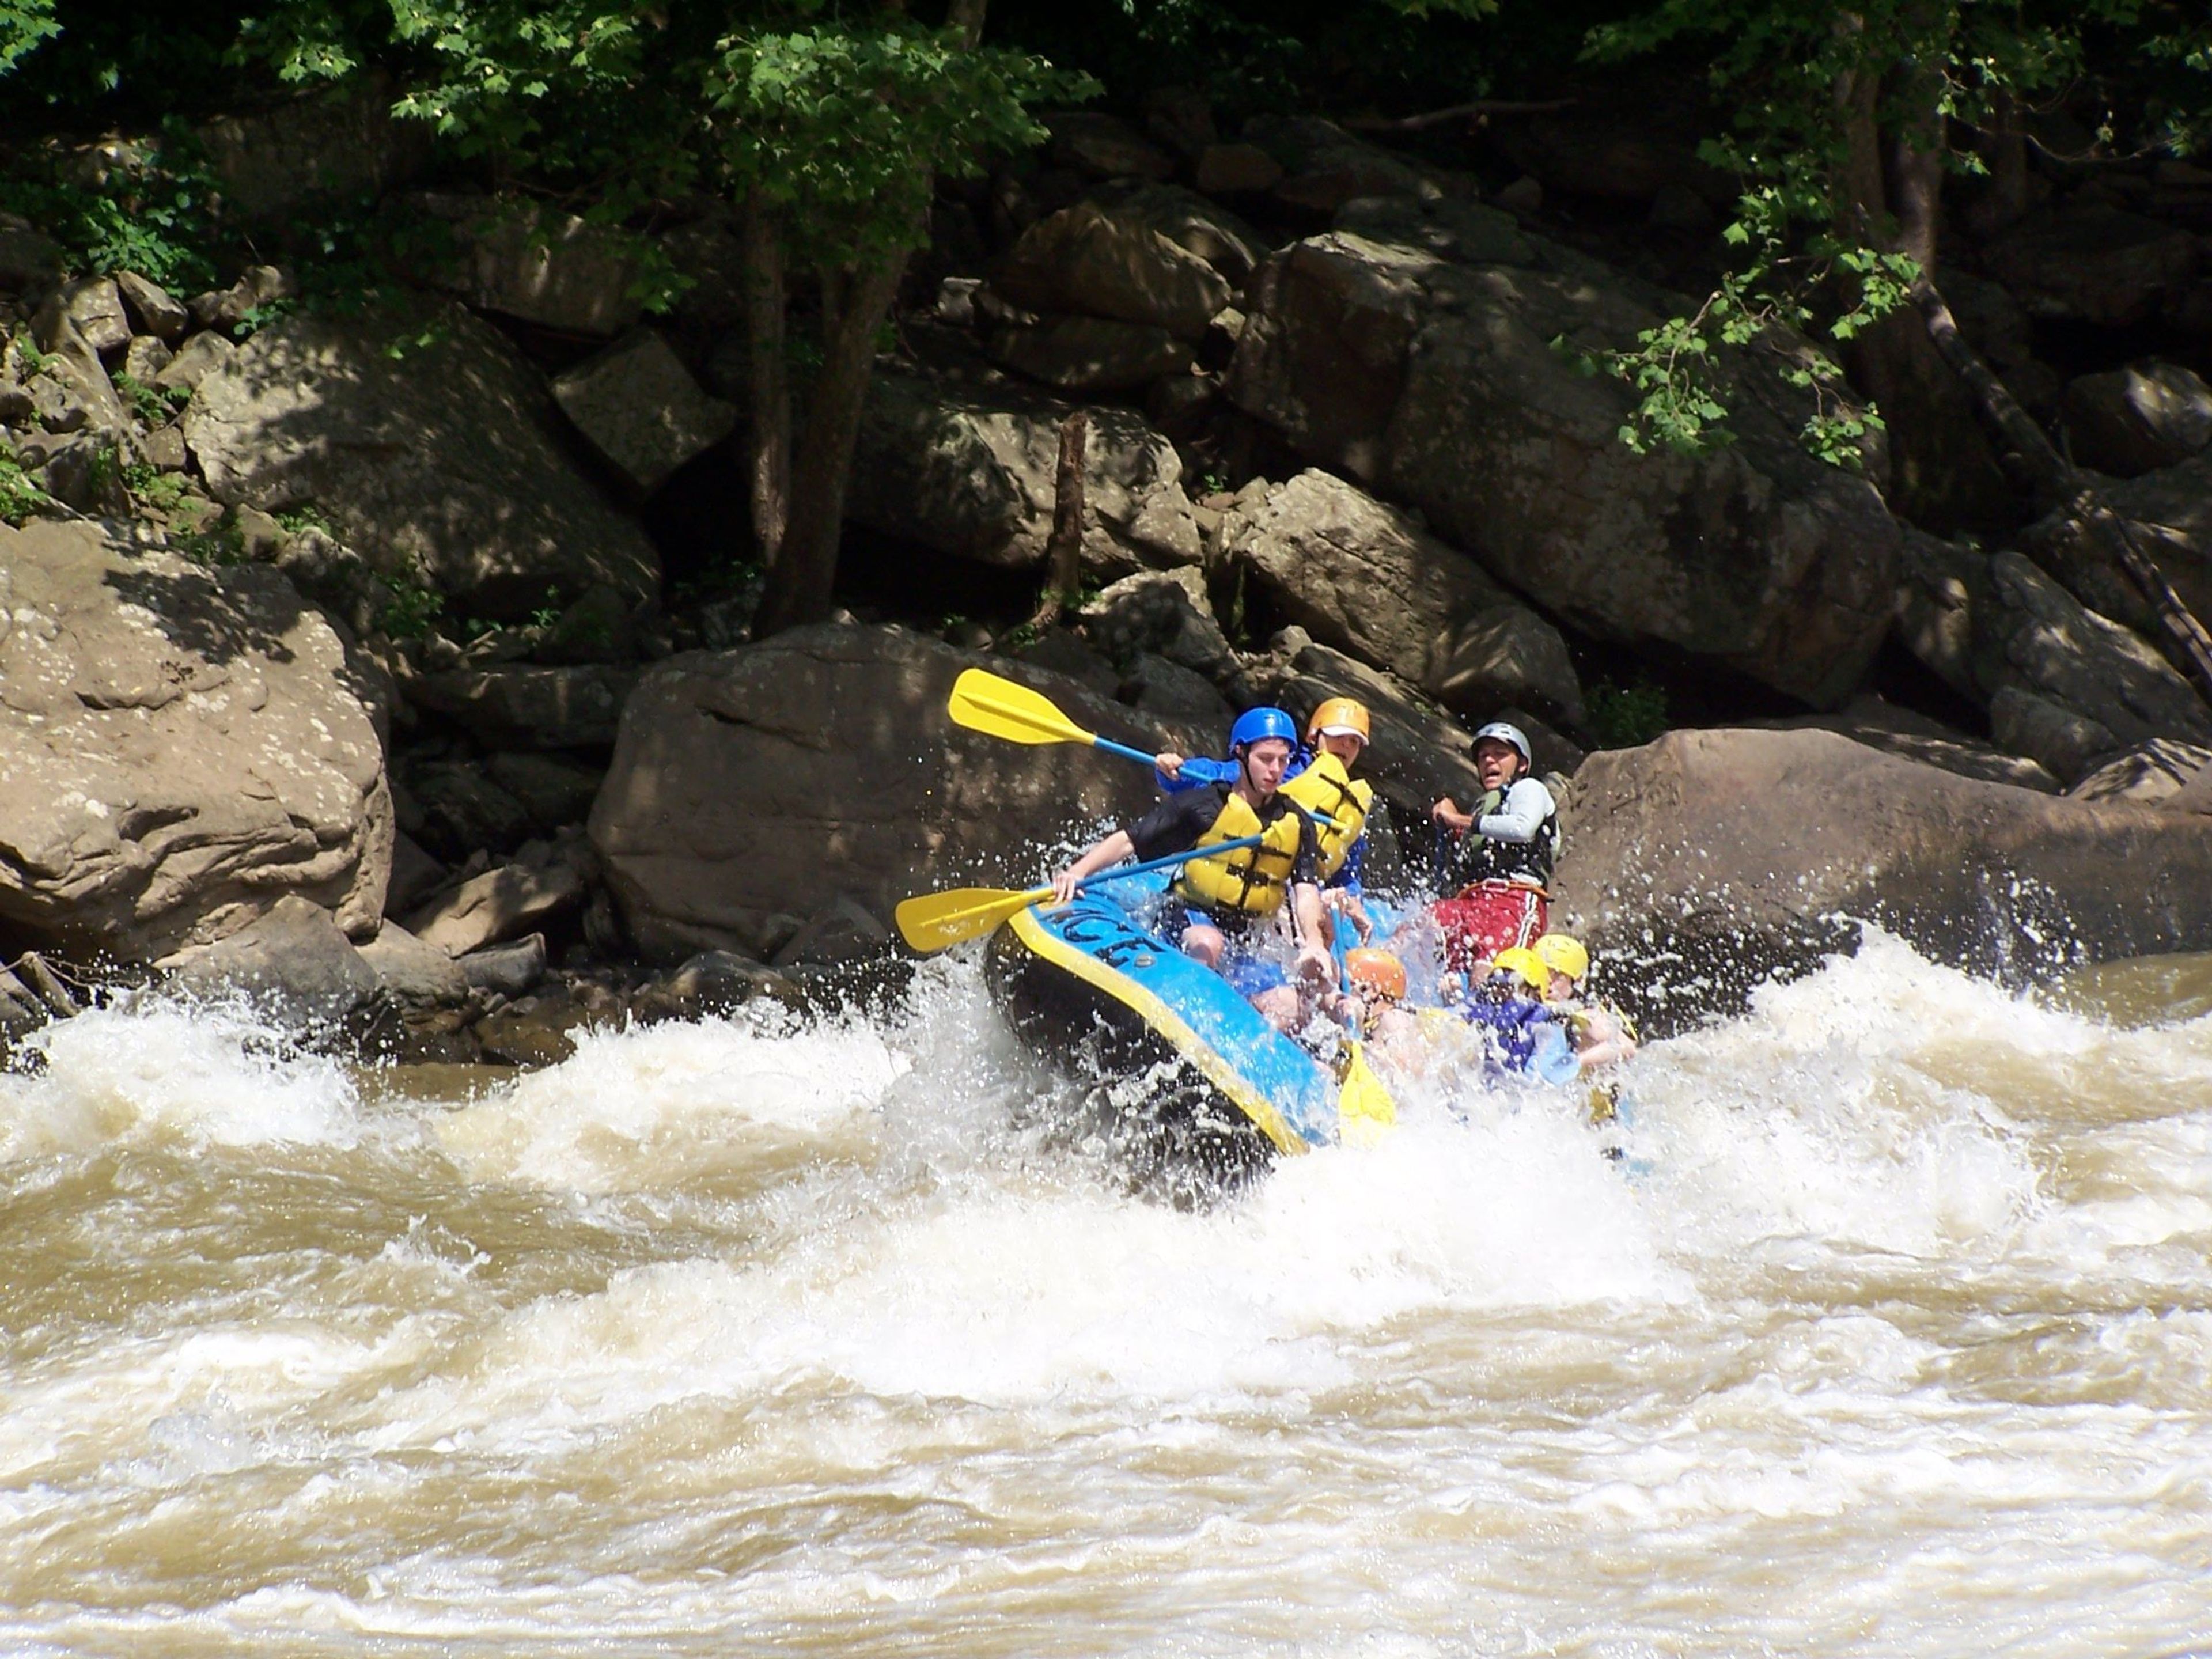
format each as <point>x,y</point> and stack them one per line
<point>756,786</point>
<point>295,962</point>
<point>538,264</point>
<point>430,445</point>
<point>1367,579</point>
<point>1324,167</point>
<point>1089,261</point>
<point>339,143</point>
<point>2064,685</point>
<point>1714,855</point>
<point>179,749</point>
<point>641,410</point>
<point>2171,510</point>
<point>2135,420</point>
<point>971,470</point>
<point>1436,382</point>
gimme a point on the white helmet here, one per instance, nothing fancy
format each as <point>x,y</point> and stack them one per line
<point>1508,734</point>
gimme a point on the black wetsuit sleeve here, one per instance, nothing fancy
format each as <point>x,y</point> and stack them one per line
<point>1306,866</point>
<point>1176,824</point>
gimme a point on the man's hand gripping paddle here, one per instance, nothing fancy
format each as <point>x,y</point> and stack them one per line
<point>930,921</point>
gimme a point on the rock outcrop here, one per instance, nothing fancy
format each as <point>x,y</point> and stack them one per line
<point>753,788</point>
<point>1717,854</point>
<point>428,443</point>
<point>1437,383</point>
<point>1367,579</point>
<point>641,410</point>
<point>969,470</point>
<point>179,749</point>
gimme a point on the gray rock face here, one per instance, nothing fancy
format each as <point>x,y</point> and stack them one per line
<point>639,407</point>
<point>1088,261</point>
<point>1090,354</point>
<point>754,784</point>
<point>1198,226</point>
<point>1681,845</point>
<point>179,749</point>
<point>295,962</point>
<point>198,357</point>
<point>413,972</point>
<point>519,706</point>
<point>1163,612</point>
<point>969,470</point>
<point>1367,579</point>
<point>438,465</point>
<point>96,308</point>
<point>1868,719</point>
<point>502,904</point>
<point>339,143</point>
<point>2172,511</point>
<point>540,264</point>
<point>1324,167</point>
<point>2150,774</point>
<point>2064,686</point>
<point>2137,419</point>
<point>152,307</point>
<point>1435,383</point>
<point>2102,264</point>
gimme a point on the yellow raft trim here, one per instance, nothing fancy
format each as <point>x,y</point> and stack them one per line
<point>1163,1019</point>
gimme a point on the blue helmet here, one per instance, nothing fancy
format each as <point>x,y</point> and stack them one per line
<point>1254,725</point>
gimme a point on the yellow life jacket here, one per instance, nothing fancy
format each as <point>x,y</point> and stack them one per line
<point>1323,789</point>
<point>1252,881</point>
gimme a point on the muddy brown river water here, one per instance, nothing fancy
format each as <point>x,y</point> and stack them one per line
<point>1891,1336</point>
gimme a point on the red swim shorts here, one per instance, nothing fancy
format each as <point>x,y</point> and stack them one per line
<point>1486,918</point>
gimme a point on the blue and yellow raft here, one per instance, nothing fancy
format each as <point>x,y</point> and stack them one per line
<point>1189,1078</point>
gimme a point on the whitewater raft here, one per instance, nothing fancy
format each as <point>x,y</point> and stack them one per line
<point>1182,1073</point>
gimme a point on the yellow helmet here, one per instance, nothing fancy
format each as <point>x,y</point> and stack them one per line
<point>1375,970</point>
<point>1338,716</point>
<point>1563,954</point>
<point>1520,959</point>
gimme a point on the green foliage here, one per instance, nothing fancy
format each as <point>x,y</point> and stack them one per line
<point>215,539</point>
<point>1626,717</point>
<point>151,487</point>
<point>843,127</point>
<point>155,406</point>
<point>306,516</point>
<point>19,498</point>
<point>1812,90</point>
<point>413,610</point>
<point>146,210</point>
<point>24,26</point>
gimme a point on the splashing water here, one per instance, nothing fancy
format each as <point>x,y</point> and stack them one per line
<point>1893,1336</point>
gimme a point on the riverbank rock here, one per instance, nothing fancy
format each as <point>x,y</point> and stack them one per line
<point>755,787</point>
<point>430,445</point>
<point>1089,261</point>
<point>294,964</point>
<point>526,706</point>
<point>1437,383</point>
<point>1367,579</point>
<point>2172,511</point>
<point>536,264</point>
<point>971,470</point>
<point>1735,851</point>
<point>2099,264</point>
<point>641,410</point>
<point>2138,419</point>
<point>180,748</point>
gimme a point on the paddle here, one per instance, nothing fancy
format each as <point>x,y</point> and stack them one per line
<point>1364,1110</point>
<point>930,921</point>
<point>983,701</point>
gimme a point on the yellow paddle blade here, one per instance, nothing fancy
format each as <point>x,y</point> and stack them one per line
<point>930,921</point>
<point>983,702</point>
<point>1364,1111</point>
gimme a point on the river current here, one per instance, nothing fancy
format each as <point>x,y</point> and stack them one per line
<point>1891,1336</point>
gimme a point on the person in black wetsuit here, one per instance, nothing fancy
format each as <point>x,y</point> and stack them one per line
<point>1220,906</point>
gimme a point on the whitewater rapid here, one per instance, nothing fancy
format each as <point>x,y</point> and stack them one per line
<point>1892,1335</point>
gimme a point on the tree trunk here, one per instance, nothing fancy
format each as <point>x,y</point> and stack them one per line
<point>2056,481</point>
<point>768,445</point>
<point>1942,472</point>
<point>800,587</point>
<point>1063,551</point>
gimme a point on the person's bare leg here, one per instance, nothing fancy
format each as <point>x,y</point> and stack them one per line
<point>1279,1008</point>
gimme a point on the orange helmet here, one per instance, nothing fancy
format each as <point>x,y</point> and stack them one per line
<point>1375,970</point>
<point>1338,716</point>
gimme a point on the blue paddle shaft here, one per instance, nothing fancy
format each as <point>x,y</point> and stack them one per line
<point>1119,871</point>
<point>1121,749</point>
